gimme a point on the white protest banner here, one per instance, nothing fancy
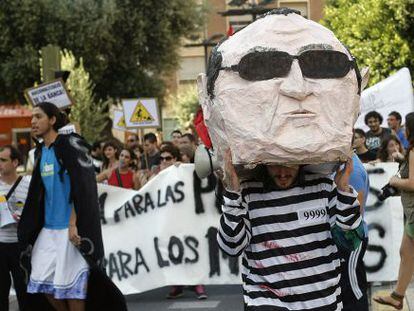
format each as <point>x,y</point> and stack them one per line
<point>164,234</point>
<point>385,224</point>
<point>392,94</point>
<point>141,113</point>
<point>119,120</point>
<point>53,92</point>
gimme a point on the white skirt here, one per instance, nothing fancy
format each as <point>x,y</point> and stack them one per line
<point>58,268</point>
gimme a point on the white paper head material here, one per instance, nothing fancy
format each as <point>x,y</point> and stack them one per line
<point>282,90</point>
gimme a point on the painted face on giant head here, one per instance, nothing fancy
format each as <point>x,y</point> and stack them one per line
<point>282,90</point>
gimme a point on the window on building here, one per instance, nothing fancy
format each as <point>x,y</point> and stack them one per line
<point>190,68</point>
<point>301,6</point>
<point>240,21</point>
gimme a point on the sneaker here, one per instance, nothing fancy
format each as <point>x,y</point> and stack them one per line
<point>175,292</point>
<point>200,292</point>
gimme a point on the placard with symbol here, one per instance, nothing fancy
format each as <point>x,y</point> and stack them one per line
<point>141,113</point>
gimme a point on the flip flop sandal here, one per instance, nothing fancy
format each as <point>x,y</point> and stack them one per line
<point>394,296</point>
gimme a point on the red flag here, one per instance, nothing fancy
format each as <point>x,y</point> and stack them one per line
<point>201,129</point>
<point>230,31</point>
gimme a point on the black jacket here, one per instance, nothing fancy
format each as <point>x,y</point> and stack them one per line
<point>72,153</point>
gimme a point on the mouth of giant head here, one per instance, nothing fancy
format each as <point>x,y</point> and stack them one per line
<point>301,113</point>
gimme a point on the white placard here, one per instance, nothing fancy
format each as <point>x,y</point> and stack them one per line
<point>141,113</point>
<point>392,94</point>
<point>53,92</point>
<point>157,236</point>
<point>119,120</point>
<point>385,223</point>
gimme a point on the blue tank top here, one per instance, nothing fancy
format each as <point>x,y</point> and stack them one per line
<point>57,191</point>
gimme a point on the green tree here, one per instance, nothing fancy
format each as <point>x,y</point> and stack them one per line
<point>380,33</point>
<point>91,114</point>
<point>127,46</point>
<point>186,104</point>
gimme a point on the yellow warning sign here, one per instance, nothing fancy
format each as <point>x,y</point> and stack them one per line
<point>141,114</point>
<point>121,122</point>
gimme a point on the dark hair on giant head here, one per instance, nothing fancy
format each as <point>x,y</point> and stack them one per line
<point>15,154</point>
<point>215,60</point>
<point>373,114</point>
<point>51,110</point>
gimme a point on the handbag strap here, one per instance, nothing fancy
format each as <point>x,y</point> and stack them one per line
<point>16,183</point>
<point>118,177</point>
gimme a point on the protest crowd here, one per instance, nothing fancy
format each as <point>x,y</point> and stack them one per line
<point>54,209</point>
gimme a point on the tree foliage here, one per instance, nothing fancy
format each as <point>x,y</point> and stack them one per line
<point>127,46</point>
<point>380,33</point>
<point>91,114</point>
<point>186,104</point>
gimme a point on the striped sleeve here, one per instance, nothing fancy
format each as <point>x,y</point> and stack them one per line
<point>345,207</point>
<point>234,231</point>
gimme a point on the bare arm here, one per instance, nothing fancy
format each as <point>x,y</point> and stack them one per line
<point>406,184</point>
<point>73,230</point>
<point>103,176</point>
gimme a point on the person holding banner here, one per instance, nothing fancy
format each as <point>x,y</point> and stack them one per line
<point>123,176</point>
<point>405,185</point>
<point>59,230</point>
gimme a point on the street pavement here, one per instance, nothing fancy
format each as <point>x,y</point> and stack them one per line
<point>220,298</point>
<point>224,298</point>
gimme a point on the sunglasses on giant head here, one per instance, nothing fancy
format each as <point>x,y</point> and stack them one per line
<point>314,64</point>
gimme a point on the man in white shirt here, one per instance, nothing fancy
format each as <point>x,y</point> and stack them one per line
<point>10,159</point>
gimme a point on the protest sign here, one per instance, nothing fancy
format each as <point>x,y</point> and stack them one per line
<point>385,224</point>
<point>141,113</point>
<point>165,233</point>
<point>392,94</point>
<point>119,120</point>
<point>53,92</point>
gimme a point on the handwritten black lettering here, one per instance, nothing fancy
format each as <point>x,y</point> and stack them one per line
<point>124,260</point>
<point>175,258</point>
<point>192,244</point>
<point>139,260</point>
<point>161,262</point>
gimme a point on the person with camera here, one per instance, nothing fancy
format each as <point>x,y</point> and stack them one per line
<point>405,185</point>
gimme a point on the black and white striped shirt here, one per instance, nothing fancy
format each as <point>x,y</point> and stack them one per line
<point>8,234</point>
<point>290,261</point>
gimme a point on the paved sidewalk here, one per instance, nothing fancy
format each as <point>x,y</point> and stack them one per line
<point>387,288</point>
<point>228,298</point>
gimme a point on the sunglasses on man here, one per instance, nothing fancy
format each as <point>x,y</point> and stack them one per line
<point>167,158</point>
<point>314,64</point>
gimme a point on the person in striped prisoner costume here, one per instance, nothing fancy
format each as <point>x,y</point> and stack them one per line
<point>281,224</point>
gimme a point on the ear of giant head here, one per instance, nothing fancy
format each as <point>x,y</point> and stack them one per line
<point>205,162</point>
